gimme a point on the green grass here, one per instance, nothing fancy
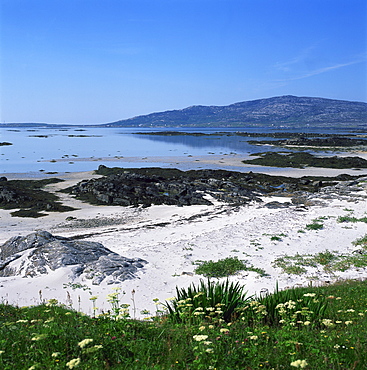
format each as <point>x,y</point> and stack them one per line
<point>315,225</point>
<point>225,267</point>
<point>329,261</point>
<point>313,328</point>
<point>351,219</point>
<point>361,241</point>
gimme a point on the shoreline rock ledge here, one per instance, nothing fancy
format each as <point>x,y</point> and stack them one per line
<point>41,252</point>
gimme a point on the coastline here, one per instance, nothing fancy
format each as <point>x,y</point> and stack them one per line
<point>173,239</point>
<point>230,162</point>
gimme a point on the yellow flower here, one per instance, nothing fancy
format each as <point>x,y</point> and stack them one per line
<point>73,363</point>
<point>202,328</point>
<point>224,330</point>
<point>84,342</point>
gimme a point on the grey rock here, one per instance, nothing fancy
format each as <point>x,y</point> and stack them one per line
<point>41,251</point>
<point>275,205</point>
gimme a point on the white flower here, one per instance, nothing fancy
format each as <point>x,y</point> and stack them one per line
<point>39,337</point>
<point>73,363</point>
<point>254,337</point>
<point>327,322</point>
<point>84,342</point>
<point>199,338</point>
<point>93,349</point>
<point>299,363</point>
<point>309,295</point>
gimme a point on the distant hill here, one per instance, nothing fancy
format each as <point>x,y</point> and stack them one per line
<point>283,110</point>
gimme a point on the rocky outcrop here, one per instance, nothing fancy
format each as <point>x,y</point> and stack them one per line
<point>332,141</point>
<point>147,186</point>
<point>29,197</point>
<point>131,188</point>
<point>41,252</point>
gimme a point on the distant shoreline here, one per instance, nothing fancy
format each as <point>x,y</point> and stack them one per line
<point>230,162</point>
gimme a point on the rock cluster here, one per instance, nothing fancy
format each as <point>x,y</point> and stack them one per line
<point>149,186</point>
<point>332,141</point>
<point>40,252</point>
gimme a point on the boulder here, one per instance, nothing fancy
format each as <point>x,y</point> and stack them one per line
<point>41,252</point>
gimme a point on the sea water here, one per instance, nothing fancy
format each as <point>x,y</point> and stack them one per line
<point>74,149</point>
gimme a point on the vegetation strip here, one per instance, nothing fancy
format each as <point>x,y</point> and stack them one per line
<point>209,326</point>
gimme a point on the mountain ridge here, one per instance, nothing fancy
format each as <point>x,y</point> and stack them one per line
<point>285,110</point>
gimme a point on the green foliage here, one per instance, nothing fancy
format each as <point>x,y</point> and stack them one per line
<point>300,304</point>
<point>293,264</point>
<point>316,225</point>
<point>208,301</point>
<point>225,267</point>
<point>361,241</point>
<point>329,261</point>
<point>325,258</point>
<point>351,219</point>
<point>316,328</point>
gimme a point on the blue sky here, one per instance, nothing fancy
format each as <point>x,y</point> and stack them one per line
<point>98,61</point>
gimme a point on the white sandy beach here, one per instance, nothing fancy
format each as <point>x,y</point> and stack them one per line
<point>172,241</point>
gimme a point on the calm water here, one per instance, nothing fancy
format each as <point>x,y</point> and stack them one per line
<point>33,149</point>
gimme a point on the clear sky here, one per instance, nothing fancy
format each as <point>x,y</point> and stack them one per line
<point>98,61</point>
